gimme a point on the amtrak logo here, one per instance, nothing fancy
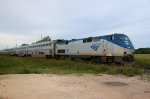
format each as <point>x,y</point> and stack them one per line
<point>95,46</point>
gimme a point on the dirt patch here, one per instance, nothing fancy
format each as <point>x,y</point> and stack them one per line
<point>43,86</point>
<point>117,84</point>
<point>147,91</point>
<point>3,77</point>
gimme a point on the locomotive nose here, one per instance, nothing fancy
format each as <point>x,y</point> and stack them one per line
<point>128,55</point>
<point>128,51</point>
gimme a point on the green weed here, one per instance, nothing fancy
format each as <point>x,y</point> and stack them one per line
<point>26,65</point>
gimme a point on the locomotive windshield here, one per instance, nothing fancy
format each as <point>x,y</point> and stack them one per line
<point>125,38</point>
<point>124,41</point>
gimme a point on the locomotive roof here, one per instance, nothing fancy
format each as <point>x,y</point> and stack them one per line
<point>93,37</point>
<point>68,41</point>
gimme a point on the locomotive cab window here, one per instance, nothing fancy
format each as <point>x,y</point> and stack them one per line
<point>125,38</point>
<point>112,37</point>
<point>87,40</point>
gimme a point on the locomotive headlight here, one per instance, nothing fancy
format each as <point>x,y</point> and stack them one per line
<point>125,53</point>
<point>133,51</point>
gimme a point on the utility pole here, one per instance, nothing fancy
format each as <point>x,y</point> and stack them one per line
<point>41,36</point>
<point>16,44</point>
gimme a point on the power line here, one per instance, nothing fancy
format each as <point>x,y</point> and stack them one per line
<point>126,24</point>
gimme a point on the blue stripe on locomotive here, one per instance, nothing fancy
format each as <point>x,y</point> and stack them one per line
<point>126,44</point>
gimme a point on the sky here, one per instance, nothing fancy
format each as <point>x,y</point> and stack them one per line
<point>24,21</point>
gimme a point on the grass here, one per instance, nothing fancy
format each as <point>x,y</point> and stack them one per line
<point>26,65</point>
<point>142,60</point>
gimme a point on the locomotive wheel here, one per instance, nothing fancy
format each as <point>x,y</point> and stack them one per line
<point>96,60</point>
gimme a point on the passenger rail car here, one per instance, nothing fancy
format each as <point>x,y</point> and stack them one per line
<point>108,48</point>
<point>43,49</point>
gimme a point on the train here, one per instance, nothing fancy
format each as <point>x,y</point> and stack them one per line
<point>102,49</point>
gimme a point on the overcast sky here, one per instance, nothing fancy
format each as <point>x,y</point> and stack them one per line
<point>23,21</point>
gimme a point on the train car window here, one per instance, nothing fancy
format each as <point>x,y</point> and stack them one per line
<point>66,42</point>
<point>61,51</point>
<point>41,52</point>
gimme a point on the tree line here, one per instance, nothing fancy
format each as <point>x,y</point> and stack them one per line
<point>142,51</point>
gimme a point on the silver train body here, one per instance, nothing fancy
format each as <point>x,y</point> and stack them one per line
<point>108,48</point>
